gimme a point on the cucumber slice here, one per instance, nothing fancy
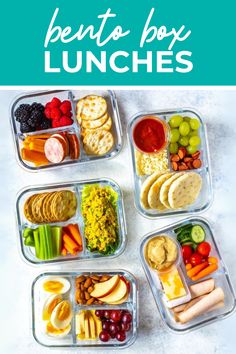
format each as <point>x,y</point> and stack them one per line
<point>198,234</point>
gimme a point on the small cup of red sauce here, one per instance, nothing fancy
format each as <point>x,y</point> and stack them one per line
<point>150,134</point>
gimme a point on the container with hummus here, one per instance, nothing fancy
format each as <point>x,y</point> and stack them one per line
<point>71,221</point>
<point>170,162</point>
<point>195,289</point>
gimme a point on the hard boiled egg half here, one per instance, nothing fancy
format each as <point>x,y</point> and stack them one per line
<point>61,315</point>
<point>51,302</point>
<point>56,285</point>
<point>54,332</point>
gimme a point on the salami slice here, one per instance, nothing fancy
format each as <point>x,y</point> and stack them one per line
<point>74,146</point>
<point>54,150</point>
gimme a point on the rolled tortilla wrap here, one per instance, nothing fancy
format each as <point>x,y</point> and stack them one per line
<point>202,288</point>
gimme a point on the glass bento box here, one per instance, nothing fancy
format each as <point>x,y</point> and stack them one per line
<point>75,221</point>
<point>64,128</point>
<point>85,309</point>
<point>194,291</point>
<point>171,176</point>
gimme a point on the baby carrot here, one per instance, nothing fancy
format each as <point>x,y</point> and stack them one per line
<point>69,249</point>
<point>75,233</point>
<point>63,252</point>
<point>188,266</point>
<point>195,270</point>
<point>208,270</point>
<point>212,260</point>
<point>71,243</point>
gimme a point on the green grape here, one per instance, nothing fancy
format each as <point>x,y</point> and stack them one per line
<point>175,121</point>
<point>191,149</point>
<point>174,135</point>
<point>194,123</point>
<point>194,133</point>
<point>184,140</point>
<point>184,128</point>
<point>173,148</point>
<point>187,119</point>
<point>194,140</point>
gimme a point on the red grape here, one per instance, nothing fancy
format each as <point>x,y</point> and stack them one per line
<point>99,313</point>
<point>106,325</point>
<point>107,314</point>
<point>125,326</point>
<point>121,336</point>
<point>127,318</point>
<point>104,336</point>
<point>116,315</point>
<point>114,328</point>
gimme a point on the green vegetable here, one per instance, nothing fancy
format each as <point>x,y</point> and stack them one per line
<point>56,240</point>
<point>197,234</point>
<point>48,239</point>
<point>36,242</point>
<point>29,241</point>
<point>43,251</point>
<point>27,232</point>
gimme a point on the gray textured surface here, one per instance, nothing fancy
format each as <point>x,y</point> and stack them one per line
<point>218,109</point>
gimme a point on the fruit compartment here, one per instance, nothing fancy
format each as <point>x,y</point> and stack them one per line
<point>38,299</point>
<point>221,277</point>
<point>72,96</point>
<point>28,253</point>
<point>205,197</point>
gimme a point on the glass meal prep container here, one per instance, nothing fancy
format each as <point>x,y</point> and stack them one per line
<point>29,253</point>
<point>75,336</point>
<point>74,129</point>
<point>219,277</point>
<point>164,165</point>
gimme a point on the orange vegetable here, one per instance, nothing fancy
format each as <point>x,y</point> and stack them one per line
<point>208,270</point>
<point>63,252</point>
<point>195,270</point>
<point>33,156</point>
<point>69,249</point>
<point>212,260</point>
<point>75,233</point>
<point>188,266</point>
<point>70,242</point>
<point>37,145</point>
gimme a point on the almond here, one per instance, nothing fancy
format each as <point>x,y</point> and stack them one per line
<point>182,152</point>
<point>175,166</point>
<point>197,163</point>
<point>175,158</point>
<point>196,155</point>
<point>183,166</point>
<point>188,159</point>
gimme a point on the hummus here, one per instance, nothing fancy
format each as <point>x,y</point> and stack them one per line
<point>161,252</point>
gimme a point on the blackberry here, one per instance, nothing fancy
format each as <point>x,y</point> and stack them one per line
<point>22,113</point>
<point>45,124</point>
<point>37,106</point>
<point>25,128</point>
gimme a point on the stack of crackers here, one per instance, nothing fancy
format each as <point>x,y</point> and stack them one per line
<point>96,123</point>
<point>170,190</point>
<point>50,207</point>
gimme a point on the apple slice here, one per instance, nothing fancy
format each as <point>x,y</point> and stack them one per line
<point>121,301</point>
<point>106,287</point>
<point>117,294</point>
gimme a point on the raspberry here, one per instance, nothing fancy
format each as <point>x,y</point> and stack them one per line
<point>55,102</point>
<point>68,114</point>
<point>48,105</point>
<point>47,112</point>
<point>55,123</point>
<point>56,113</point>
<point>65,106</point>
<point>65,121</point>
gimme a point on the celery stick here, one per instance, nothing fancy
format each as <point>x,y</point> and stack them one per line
<point>43,254</point>
<point>57,240</point>
<point>48,237</point>
<point>37,242</point>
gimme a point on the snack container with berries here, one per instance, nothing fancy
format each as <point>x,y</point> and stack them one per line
<point>170,161</point>
<point>195,288</point>
<point>85,309</point>
<point>49,132</point>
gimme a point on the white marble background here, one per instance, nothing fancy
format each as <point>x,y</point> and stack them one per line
<point>218,109</point>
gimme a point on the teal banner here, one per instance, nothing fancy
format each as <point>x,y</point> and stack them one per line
<point>118,42</point>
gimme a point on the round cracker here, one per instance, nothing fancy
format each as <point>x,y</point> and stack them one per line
<point>154,192</point>
<point>37,208</point>
<point>93,124</point>
<point>79,108</point>
<point>164,190</point>
<point>98,143</point>
<point>64,205</point>
<point>146,187</point>
<point>28,208</point>
<point>185,190</point>
<point>93,107</point>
